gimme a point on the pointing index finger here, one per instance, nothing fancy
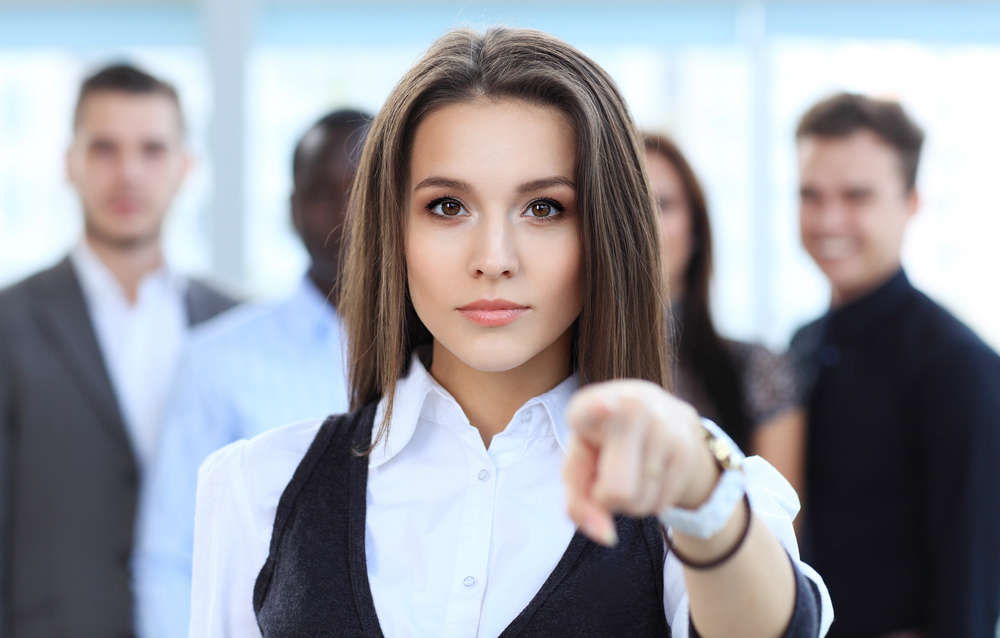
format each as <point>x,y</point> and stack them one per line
<point>588,411</point>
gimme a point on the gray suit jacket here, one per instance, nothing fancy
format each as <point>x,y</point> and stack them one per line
<point>68,478</point>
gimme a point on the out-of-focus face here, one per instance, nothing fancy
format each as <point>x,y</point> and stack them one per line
<point>676,240</point>
<point>319,203</point>
<point>854,209</point>
<point>127,161</point>
<point>492,235</point>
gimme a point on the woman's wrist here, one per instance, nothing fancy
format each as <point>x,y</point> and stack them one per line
<point>709,505</point>
<point>711,563</point>
<point>704,476</point>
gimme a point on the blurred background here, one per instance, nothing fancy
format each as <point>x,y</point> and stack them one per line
<point>727,79</point>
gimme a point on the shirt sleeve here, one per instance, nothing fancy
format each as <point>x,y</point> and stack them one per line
<point>775,503</point>
<point>803,355</point>
<point>230,547</point>
<point>956,408</point>
<point>197,422</point>
<point>239,488</point>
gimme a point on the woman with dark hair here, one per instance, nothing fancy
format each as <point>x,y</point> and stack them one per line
<point>748,390</point>
<point>513,462</point>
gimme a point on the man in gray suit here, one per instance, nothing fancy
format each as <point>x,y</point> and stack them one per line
<point>87,350</point>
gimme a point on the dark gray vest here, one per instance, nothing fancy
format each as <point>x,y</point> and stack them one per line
<point>315,580</point>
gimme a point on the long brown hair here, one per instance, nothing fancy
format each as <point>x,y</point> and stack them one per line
<point>621,331</point>
<point>700,349</point>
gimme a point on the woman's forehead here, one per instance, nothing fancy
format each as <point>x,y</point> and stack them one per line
<point>510,141</point>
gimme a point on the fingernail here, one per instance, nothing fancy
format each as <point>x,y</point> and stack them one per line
<point>601,533</point>
<point>610,537</point>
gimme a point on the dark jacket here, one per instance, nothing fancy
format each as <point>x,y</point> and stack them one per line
<point>903,479</point>
<point>68,476</point>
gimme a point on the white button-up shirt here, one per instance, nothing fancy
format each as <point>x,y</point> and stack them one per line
<point>140,341</point>
<point>459,538</point>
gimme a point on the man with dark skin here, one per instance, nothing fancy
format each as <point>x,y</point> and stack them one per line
<point>252,370</point>
<point>324,166</point>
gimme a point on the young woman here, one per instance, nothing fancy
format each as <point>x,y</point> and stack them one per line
<point>749,391</point>
<point>502,255</point>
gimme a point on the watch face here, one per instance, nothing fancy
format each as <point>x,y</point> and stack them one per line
<point>722,451</point>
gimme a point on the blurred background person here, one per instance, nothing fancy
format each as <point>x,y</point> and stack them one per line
<point>249,371</point>
<point>743,387</point>
<point>902,481</point>
<point>87,350</point>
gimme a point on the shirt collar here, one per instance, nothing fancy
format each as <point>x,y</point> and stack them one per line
<point>98,281</point>
<point>871,309</point>
<point>418,395</point>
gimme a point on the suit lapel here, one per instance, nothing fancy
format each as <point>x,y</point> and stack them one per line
<point>203,303</point>
<point>66,322</point>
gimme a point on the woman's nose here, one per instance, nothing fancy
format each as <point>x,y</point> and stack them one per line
<point>494,253</point>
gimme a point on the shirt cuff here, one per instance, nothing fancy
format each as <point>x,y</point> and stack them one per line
<point>805,622</point>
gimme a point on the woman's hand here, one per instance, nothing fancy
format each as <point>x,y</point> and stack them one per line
<point>634,449</point>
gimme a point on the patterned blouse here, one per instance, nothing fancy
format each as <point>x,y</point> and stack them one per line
<point>769,384</point>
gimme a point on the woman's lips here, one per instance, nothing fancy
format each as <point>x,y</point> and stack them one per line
<point>491,313</point>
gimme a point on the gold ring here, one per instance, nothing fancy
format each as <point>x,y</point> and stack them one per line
<point>652,470</point>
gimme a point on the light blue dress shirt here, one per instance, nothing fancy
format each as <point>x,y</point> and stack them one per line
<point>248,371</point>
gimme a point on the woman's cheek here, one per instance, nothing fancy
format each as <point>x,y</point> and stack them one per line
<point>560,265</point>
<point>436,272</point>
<point>421,269</point>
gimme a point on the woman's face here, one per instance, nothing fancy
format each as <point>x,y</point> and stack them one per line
<point>676,241</point>
<point>492,233</point>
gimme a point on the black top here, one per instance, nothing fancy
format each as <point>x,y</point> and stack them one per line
<point>769,385</point>
<point>902,498</point>
<point>315,579</point>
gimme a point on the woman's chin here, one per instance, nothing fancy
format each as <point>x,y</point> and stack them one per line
<point>490,360</point>
<point>503,353</point>
<point>488,354</point>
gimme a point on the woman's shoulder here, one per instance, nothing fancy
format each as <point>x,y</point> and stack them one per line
<point>753,353</point>
<point>255,471</point>
<point>286,443</point>
<point>769,381</point>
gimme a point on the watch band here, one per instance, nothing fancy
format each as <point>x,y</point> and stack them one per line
<point>709,519</point>
<point>714,513</point>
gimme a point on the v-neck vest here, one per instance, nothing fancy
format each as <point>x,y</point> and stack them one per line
<point>315,579</point>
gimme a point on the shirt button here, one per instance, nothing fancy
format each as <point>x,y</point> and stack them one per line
<point>483,475</point>
<point>526,417</point>
<point>469,582</point>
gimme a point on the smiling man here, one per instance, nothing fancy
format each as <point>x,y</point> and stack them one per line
<point>87,350</point>
<point>903,484</point>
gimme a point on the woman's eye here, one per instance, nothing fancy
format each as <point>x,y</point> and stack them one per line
<point>543,209</point>
<point>447,208</point>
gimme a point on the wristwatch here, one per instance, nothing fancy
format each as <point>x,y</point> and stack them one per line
<point>709,519</point>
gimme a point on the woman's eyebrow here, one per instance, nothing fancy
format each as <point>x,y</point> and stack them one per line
<point>444,182</point>
<point>459,185</point>
<point>539,184</point>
